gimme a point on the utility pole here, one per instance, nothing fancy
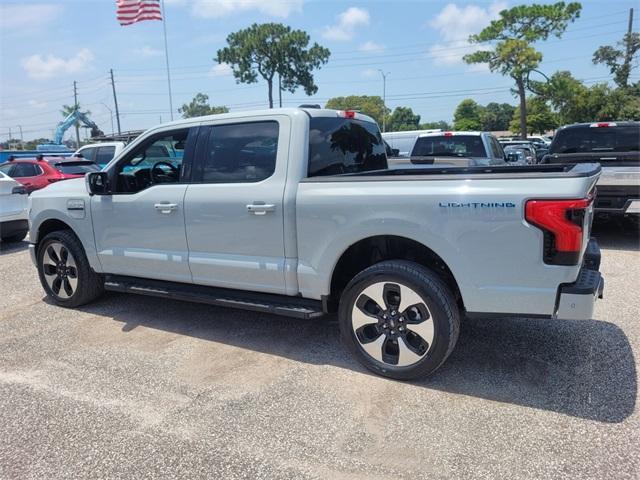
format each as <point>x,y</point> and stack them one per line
<point>75,100</point>
<point>115,100</point>
<point>21,138</point>
<point>384,99</point>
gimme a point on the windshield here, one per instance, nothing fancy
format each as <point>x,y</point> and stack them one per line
<point>449,146</point>
<point>597,139</point>
<point>73,168</point>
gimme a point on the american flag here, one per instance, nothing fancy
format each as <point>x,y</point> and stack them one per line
<point>132,11</point>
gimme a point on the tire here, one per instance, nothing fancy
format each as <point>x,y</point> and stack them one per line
<point>18,237</point>
<point>64,271</point>
<point>413,333</point>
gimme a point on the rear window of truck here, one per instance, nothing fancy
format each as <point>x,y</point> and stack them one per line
<point>449,146</point>
<point>597,139</point>
<point>341,145</point>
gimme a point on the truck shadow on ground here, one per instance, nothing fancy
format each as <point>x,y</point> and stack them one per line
<point>617,233</point>
<point>13,247</point>
<point>584,369</point>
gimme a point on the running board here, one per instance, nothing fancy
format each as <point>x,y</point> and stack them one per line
<point>295,307</point>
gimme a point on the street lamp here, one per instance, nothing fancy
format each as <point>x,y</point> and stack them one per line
<point>111,114</point>
<point>384,99</point>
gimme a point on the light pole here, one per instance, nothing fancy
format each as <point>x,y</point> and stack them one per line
<point>384,99</point>
<point>111,114</point>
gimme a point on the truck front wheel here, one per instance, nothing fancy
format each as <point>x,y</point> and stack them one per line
<point>399,319</point>
<point>64,270</point>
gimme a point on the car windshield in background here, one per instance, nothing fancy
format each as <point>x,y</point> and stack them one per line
<point>449,146</point>
<point>339,145</point>
<point>77,168</point>
<point>597,139</point>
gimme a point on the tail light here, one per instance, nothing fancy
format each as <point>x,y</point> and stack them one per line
<point>347,114</point>
<point>562,222</point>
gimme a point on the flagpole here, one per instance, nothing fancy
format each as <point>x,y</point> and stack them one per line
<point>166,56</point>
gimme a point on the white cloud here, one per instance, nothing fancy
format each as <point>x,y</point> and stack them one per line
<point>148,51</point>
<point>348,22</point>
<point>38,66</point>
<point>220,70</point>
<point>455,24</point>
<point>369,72</point>
<point>37,104</point>
<point>18,16</point>
<point>223,8</point>
<point>371,47</point>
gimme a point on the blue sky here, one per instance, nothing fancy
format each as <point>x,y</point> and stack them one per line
<point>44,47</point>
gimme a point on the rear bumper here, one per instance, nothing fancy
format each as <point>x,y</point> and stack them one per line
<point>618,199</point>
<point>576,300</point>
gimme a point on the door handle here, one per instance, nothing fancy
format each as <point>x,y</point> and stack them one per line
<point>260,208</point>
<point>166,207</point>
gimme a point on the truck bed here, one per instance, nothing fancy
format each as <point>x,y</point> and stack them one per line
<point>455,173</point>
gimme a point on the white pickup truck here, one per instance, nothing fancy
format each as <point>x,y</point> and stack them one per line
<point>294,212</point>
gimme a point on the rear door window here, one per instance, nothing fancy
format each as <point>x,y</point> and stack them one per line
<point>340,145</point>
<point>25,170</point>
<point>6,169</point>
<point>239,153</point>
<point>597,139</point>
<point>449,146</point>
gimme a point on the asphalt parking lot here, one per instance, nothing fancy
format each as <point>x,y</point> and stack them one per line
<point>139,387</point>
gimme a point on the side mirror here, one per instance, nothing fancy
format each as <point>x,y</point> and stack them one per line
<point>395,152</point>
<point>512,157</point>
<point>98,183</point>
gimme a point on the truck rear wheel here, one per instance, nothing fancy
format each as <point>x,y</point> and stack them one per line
<point>399,319</point>
<point>64,271</point>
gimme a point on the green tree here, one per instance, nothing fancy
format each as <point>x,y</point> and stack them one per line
<point>272,48</point>
<point>441,124</point>
<point>403,119</point>
<point>540,117</point>
<point>468,115</point>
<point>496,116</point>
<point>369,105</point>
<point>514,33</point>
<point>619,60</point>
<point>199,107</point>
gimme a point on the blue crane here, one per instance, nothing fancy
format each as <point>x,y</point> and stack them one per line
<point>64,125</point>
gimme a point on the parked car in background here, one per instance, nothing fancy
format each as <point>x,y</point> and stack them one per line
<point>14,216</point>
<point>403,142</point>
<point>37,173</point>
<point>100,153</point>
<point>516,155</point>
<point>294,212</point>
<point>464,149</point>
<point>532,150</point>
<point>616,146</point>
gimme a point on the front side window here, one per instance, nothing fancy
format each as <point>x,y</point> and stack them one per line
<point>240,153</point>
<point>88,153</point>
<point>449,146</point>
<point>340,145</point>
<point>25,170</point>
<point>6,168</point>
<point>156,161</point>
<point>105,155</point>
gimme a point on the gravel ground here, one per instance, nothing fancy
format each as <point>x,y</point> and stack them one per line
<point>138,387</point>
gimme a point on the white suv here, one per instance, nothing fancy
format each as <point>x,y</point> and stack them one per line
<point>14,215</point>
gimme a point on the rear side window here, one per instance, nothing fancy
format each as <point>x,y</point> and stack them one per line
<point>25,170</point>
<point>597,139</point>
<point>77,168</point>
<point>340,145</point>
<point>240,153</point>
<point>496,148</point>
<point>449,146</point>
<point>105,155</point>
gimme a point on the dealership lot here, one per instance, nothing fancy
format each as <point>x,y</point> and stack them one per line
<point>133,387</point>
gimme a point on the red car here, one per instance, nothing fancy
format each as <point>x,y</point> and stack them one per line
<point>37,173</point>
